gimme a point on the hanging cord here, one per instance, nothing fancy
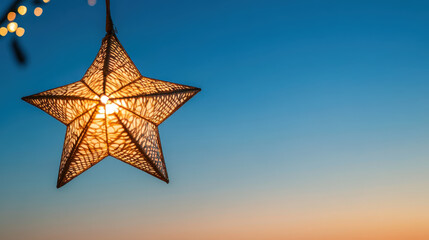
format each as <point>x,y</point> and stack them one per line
<point>109,23</point>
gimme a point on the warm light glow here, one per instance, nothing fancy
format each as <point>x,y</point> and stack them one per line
<point>92,2</point>
<point>22,10</point>
<point>20,32</point>
<point>108,109</point>
<point>3,31</point>
<point>11,16</point>
<point>121,121</point>
<point>38,11</point>
<point>111,108</point>
<point>12,27</point>
<point>46,1</point>
<point>104,99</point>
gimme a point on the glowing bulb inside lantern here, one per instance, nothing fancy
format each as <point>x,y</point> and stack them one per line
<point>107,109</point>
<point>104,99</point>
<point>22,10</point>
<point>111,108</point>
<point>12,27</point>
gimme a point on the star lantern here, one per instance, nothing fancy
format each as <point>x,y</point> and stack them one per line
<point>112,111</point>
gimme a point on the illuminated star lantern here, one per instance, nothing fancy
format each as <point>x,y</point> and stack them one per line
<point>112,111</point>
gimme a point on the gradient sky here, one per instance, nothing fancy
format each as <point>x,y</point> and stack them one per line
<point>312,123</point>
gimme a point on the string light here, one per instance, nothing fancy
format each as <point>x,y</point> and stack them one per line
<point>11,16</point>
<point>38,11</point>
<point>22,10</point>
<point>12,27</point>
<point>3,31</point>
<point>20,32</point>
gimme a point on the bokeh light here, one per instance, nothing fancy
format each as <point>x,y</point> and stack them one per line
<point>38,11</point>
<point>3,31</point>
<point>20,32</point>
<point>92,2</point>
<point>11,16</point>
<point>22,10</point>
<point>12,27</point>
<point>46,1</point>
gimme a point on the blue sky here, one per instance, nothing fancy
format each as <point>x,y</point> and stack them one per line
<point>312,113</point>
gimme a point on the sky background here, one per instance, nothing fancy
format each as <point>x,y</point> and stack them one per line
<point>312,122</point>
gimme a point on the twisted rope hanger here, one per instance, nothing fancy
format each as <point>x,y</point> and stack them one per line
<point>109,22</point>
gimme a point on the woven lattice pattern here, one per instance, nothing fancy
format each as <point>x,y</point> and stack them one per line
<point>112,111</point>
